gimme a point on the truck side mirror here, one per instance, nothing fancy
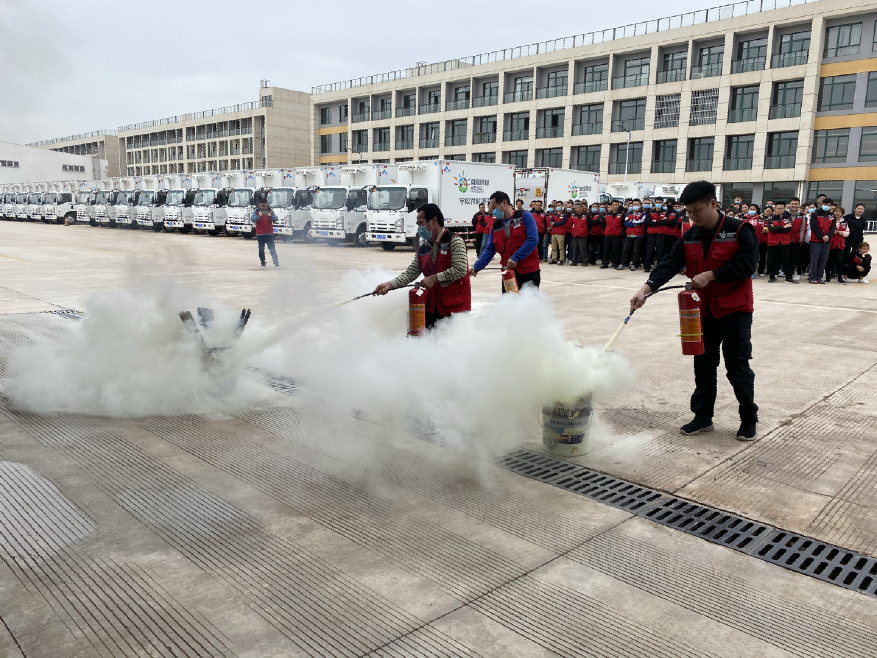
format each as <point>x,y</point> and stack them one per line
<point>410,204</point>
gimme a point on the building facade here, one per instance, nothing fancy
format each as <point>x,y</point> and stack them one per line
<point>24,164</point>
<point>101,144</point>
<point>767,101</point>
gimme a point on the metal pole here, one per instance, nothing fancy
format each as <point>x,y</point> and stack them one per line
<point>626,156</point>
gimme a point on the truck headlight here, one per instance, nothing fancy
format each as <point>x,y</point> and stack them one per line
<point>400,225</point>
<point>339,222</point>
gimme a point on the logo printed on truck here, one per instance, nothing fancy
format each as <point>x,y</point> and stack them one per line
<point>462,183</point>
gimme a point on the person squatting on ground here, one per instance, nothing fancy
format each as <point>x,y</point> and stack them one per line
<point>515,238</point>
<point>441,258</point>
<point>860,263</point>
<point>264,219</point>
<point>720,254</point>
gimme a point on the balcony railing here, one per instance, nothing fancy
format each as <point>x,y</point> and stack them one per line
<point>632,167</point>
<point>516,135</point>
<point>633,80</point>
<point>381,146</point>
<point>429,143</point>
<point>673,75</point>
<point>550,131</point>
<point>462,104</point>
<point>404,144</point>
<point>748,64</point>
<point>551,92</point>
<point>779,162</point>
<point>518,96</point>
<point>359,147</point>
<point>360,117</point>
<point>708,71</point>
<point>782,60</point>
<point>484,138</point>
<point>430,108</point>
<point>742,114</point>
<point>485,101</point>
<point>586,129</point>
<point>585,167</point>
<point>663,166</point>
<point>628,124</point>
<point>405,111</point>
<point>699,164</point>
<point>455,140</point>
<point>788,111</point>
<point>738,164</point>
<point>590,87</point>
<point>382,114</point>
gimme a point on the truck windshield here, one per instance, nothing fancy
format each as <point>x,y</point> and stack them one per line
<point>122,199</point>
<point>303,198</point>
<point>101,198</point>
<point>387,198</point>
<point>204,197</point>
<point>281,198</point>
<point>51,197</point>
<point>175,197</point>
<point>330,198</point>
<point>82,197</point>
<point>33,198</point>
<point>145,198</point>
<point>240,198</point>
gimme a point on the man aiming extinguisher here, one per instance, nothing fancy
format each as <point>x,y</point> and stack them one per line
<point>719,255</point>
<point>441,258</point>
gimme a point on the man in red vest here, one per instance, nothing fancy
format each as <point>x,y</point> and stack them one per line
<point>482,222</point>
<point>441,259</point>
<point>719,254</point>
<point>515,238</point>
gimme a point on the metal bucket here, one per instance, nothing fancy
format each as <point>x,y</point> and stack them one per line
<point>566,428</point>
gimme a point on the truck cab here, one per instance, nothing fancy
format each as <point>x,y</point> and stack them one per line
<point>21,205</point>
<point>34,199</point>
<point>81,204</point>
<point>339,213</point>
<point>125,208</point>
<point>391,214</point>
<point>178,209</point>
<point>282,200</point>
<point>241,203</point>
<point>8,205</point>
<point>150,209</point>
<point>104,203</point>
<point>209,210</point>
<point>58,207</point>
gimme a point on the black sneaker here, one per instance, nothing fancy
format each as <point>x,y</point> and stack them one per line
<point>747,431</point>
<point>772,279</point>
<point>620,267</point>
<point>647,269</point>
<point>697,426</point>
<point>604,267</point>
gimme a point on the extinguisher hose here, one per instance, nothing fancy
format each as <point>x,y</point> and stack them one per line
<point>627,319</point>
<point>371,294</point>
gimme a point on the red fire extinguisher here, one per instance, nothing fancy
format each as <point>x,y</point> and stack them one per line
<point>509,282</point>
<point>690,322</point>
<point>417,311</point>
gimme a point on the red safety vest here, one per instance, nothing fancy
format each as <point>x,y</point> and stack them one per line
<point>721,299</point>
<point>483,222</point>
<point>614,225</point>
<point>579,228</point>
<point>839,241</point>
<point>774,239</point>
<point>824,222</point>
<point>539,218</point>
<point>507,247</point>
<point>597,222</point>
<point>454,297</point>
<point>797,221</point>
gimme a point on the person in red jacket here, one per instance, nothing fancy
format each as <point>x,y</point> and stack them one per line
<point>482,222</point>
<point>797,238</point>
<point>614,228</point>
<point>264,219</point>
<point>821,231</point>
<point>779,236</point>
<point>559,227</point>
<point>541,224</point>
<point>596,223</point>
<point>578,233</point>
<point>838,246</point>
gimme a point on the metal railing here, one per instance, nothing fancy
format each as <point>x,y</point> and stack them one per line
<point>382,114</point>
<point>551,92</point>
<point>484,138</point>
<point>485,101</point>
<point>518,96</point>
<point>738,164</point>
<point>180,118</point>
<point>632,167</point>
<point>748,64</point>
<point>601,36</point>
<point>742,114</point>
<point>72,138</point>
<point>627,81</point>
<point>359,117</point>
<point>586,129</point>
<point>381,146</point>
<point>404,144</point>
<point>428,143</point>
<point>406,111</point>
<point>430,108</point>
<point>663,166</point>
<point>788,111</point>
<point>779,162</point>
<point>585,167</point>
<point>549,132</point>
<point>359,147</point>
<point>590,87</point>
<point>516,135</point>
<point>673,75</point>
<point>462,104</point>
<point>628,124</point>
<point>699,164</point>
<point>782,60</point>
<point>455,140</point>
<point>708,71</point>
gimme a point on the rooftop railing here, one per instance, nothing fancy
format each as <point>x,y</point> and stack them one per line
<point>219,111</point>
<point>73,138</point>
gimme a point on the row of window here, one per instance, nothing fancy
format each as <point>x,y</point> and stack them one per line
<point>193,167</point>
<point>191,151</point>
<point>10,163</point>
<point>91,149</point>
<point>72,168</point>
<point>193,133</point>
<point>832,146</point>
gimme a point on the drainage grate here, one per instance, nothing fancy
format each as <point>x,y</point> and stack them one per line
<point>279,383</point>
<point>69,313</point>
<point>803,555</point>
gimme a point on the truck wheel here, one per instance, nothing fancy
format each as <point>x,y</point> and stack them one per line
<point>186,229</point>
<point>92,222</point>
<point>134,226</point>
<point>388,246</point>
<point>333,242</point>
<point>359,240</point>
<point>167,229</point>
<point>214,231</point>
<point>157,226</point>
<point>250,235</point>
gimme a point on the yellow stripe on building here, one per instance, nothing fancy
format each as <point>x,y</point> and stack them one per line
<point>843,173</point>
<point>845,68</point>
<point>333,131</point>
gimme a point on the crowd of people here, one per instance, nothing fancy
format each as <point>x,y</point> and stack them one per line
<point>819,240</point>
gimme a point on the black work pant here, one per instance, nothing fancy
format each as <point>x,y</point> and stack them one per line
<point>267,240</point>
<point>479,237</point>
<point>762,256</point>
<point>733,334</point>
<point>579,249</point>
<point>594,248</point>
<point>794,254</point>
<point>633,246</point>
<point>612,249</point>
<point>532,278</point>
<point>835,264</point>
<point>778,255</point>
<point>803,257</point>
<point>655,246</point>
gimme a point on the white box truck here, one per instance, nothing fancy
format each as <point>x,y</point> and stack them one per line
<point>178,203</point>
<point>307,181</point>
<point>59,204</point>
<point>34,199</point>
<point>457,187</point>
<point>339,212</point>
<point>8,199</point>
<point>21,202</point>
<point>125,207</point>
<point>243,196</point>
<point>150,204</point>
<point>84,202</point>
<point>285,199</point>
<point>104,202</point>
<point>547,184</point>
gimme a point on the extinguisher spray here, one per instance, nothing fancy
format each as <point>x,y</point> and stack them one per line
<point>509,282</point>
<point>690,322</point>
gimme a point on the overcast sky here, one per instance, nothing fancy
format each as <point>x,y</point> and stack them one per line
<point>73,66</point>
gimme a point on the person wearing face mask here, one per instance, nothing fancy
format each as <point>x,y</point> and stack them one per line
<point>515,238</point>
<point>596,224</point>
<point>634,229</point>
<point>612,240</point>
<point>779,226</point>
<point>482,222</point>
<point>559,226</point>
<point>822,227</point>
<point>540,218</point>
<point>838,243</point>
<point>856,224</point>
<point>796,238</point>
<point>545,244</point>
<point>441,258</point>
